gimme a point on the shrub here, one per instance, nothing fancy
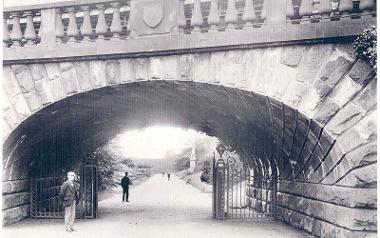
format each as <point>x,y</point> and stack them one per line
<point>365,46</point>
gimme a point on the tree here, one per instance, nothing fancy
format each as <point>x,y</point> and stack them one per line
<point>107,167</point>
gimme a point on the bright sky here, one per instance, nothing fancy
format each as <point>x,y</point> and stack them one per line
<point>12,3</point>
<point>156,142</point>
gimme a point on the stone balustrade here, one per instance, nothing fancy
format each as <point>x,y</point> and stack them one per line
<point>73,24</point>
<point>177,24</point>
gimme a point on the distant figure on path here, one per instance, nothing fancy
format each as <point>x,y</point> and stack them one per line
<point>69,196</point>
<point>125,182</point>
<point>168,176</point>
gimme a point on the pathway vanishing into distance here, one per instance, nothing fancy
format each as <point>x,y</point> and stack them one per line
<point>159,209</point>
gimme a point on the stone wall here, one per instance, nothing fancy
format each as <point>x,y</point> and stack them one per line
<point>308,112</point>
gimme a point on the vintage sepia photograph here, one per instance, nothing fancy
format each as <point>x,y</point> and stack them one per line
<point>189,119</point>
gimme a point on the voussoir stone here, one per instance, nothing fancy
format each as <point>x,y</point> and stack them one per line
<point>69,77</point>
<point>291,55</point>
<point>112,68</point>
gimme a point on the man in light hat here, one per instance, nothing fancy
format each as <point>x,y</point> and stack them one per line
<point>69,196</point>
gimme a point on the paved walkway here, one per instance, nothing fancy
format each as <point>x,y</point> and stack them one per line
<point>158,208</point>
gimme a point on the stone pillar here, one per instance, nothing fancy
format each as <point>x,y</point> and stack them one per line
<point>47,32</point>
<point>276,11</point>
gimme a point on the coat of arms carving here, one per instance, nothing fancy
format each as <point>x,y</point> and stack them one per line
<point>153,13</point>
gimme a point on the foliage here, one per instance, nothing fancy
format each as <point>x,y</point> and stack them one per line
<point>206,175</point>
<point>107,167</point>
<point>365,46</point>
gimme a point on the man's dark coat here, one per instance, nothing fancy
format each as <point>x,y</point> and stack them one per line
<point>125,182</point>
<point>68,193</point>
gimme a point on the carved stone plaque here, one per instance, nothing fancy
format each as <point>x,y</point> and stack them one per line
<point>153,13</point>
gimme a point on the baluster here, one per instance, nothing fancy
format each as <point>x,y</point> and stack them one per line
<point>6,37</point>
<point>116,23</point>
<point>306,9</point>
<point>101,27</point>
<point>30,33</point>
<point>213,16</point>
<point>248,14</point>
<point>59,29</point>
<point>289,9</point>
<point>181,16</point>
<point>86,29</point>
<point>196,18</point>
<point>72,28</point>
<point>366,6</point>
<point>16,34</point>
<point>346,7</point>
<point>231,15</point>
<point>325,8</point>
<point>263,14</point>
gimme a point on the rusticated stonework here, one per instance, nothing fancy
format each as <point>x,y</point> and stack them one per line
<point>307,111</point>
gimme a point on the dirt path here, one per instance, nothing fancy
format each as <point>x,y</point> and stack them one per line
<point>158,208</point>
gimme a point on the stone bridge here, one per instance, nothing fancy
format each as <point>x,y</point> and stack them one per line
<point>281,86</point>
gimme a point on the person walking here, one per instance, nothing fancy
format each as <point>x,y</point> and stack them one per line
<point>125,182</point>
<point>168,176</point>
<point>69,196</point>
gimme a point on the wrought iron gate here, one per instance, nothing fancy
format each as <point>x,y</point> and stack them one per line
<point>234,194</point>
<point>44,201</point>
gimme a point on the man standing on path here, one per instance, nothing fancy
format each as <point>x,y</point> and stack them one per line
<point>125,182</point>
<point>69,196</point>
<point>168,176</point>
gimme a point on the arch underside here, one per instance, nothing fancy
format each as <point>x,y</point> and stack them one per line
<point>268,134</point>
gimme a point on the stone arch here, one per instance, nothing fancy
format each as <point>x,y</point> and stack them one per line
<point>312,120</point>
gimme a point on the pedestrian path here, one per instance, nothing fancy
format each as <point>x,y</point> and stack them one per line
<point>158,208</point>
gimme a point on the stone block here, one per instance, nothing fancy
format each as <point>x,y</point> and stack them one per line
<point>291,55</point>
<point>314,58</point>
<point>16,214</point>
<point>170,67</point>
<point>186,66</point>
<point>24,77</point>
<point>41,83</point>
<point>33,101</point>
<point>362,133</point>
<point>325,111</point>
<point>9,83</point>
<point>15,200</point>
<point>11,116</point>
<point>363,177</point>
<point>15,186</point>
<point>83,72</point>
<point>349,218</point>
<point>360,72</point>
<point>363,155</point>
<point>266,70</point>
<point>231,69</point>
<point>20,106</point>
<point>342,196</point>
<point>337,66</point>
<point>141,68</point>
<point>295,92</point>
<point>112,68</point>
<point>55,80</point>
<point>202,67</point>
<point>69,77</point>
<point>127,71</point>
<point>97,73</point>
